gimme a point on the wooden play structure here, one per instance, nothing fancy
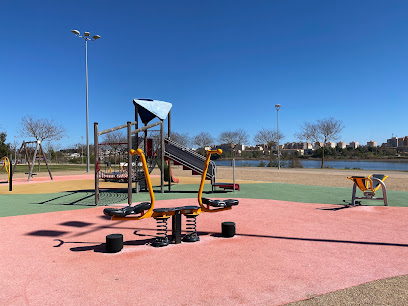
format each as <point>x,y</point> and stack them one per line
<point>161,215</point>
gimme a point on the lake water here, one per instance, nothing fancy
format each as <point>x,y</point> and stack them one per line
<point>335,164</point>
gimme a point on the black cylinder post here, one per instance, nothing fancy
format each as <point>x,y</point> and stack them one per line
<point>114,243</point>
<point>228,229</point>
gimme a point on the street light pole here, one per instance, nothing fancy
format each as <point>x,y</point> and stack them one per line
<point>82,150</point>
<point>278,106</point>
<point>86,37</point>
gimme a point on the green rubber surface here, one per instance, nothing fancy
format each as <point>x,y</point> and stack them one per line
<point>21,204</point>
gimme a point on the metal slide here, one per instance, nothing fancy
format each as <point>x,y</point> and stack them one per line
<point>188,158</point>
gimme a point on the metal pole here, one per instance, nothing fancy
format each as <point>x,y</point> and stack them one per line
<point>137,141</point>
<point>169,132</point>
<point>10,175</point>
<point>82,150</point>
<point>96,150</point>
<point>162,157</point>
<point>233,173</point>
<point>277,120</point>
<point>87,118</point>
<point>129,156</point>
<point>277,106</point>
<point>32,165</point>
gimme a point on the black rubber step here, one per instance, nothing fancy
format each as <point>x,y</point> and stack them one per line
<point>128,210</point>
<point>220,203</point>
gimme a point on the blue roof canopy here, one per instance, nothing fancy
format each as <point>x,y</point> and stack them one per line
<point>150,109</point>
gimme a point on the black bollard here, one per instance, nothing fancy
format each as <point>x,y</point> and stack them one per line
<point>114,243</point>
<point>228,229</point>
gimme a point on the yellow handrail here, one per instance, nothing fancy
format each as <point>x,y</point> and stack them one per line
<point>6,165</point>
<point>366,183</point>
<point>200,190</point>
<point>148,213</point>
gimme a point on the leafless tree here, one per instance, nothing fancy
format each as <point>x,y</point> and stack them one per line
<point>41,129</point>
<point>322,131</point>
<point>268,137</point>
<point>181,138</point>
<point>116,142</point>
<point>14,146</point>
<point>234,138</point>
<point>203,139</point>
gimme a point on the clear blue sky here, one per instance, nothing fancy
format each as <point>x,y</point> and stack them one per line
<point>223,64</point>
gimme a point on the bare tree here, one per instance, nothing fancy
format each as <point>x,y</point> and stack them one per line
<point>181,138</point>
<point>234,138</point>
<point>116,142</point>
<point>203,140</point>
<point>41,129</point>
<point>322,131</point>
<point>268,137</point>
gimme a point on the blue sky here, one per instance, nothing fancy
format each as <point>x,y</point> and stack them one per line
<point>223,64</point>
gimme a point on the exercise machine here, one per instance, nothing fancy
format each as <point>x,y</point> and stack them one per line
<point>161,215</point>
<point>369,186</point>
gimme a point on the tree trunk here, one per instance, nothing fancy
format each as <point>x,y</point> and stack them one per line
<point>322,156</point>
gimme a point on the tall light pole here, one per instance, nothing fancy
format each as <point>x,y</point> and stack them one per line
<point>278,106</point>
<point>86,37</point>
<point>82,150</point>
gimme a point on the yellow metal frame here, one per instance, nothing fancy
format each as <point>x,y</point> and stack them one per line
<point>152,214</point>
<point>149,213</point>
<point>200,190</point>
<point>366,183</point>
<point>6,165</point>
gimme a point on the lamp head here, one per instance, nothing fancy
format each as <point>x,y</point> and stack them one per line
<point>86,34</point>
<point>76,32</point>
<point>278,106</point>
<point>96,37</point>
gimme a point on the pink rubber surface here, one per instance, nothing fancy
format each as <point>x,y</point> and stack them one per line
<point>283,252</point>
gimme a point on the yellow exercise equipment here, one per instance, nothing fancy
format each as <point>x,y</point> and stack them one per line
<point>205,203</point>
<point>146,209</point>
<point>369,186</point>
<point>5,164</point>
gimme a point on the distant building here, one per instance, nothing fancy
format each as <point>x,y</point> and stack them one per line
<point>371,144</point>
<point>74,155</point>
<point>306,146</point>
<point>341,145</point>
<point>263,146</point>
<point>403,141</point>
<point>353,144</point>
<point>291,145</point>
<point>330,144</point>
<point>392,142</point>
<point>253,148</point>
<point>225,147</point>
<point>317,145</point>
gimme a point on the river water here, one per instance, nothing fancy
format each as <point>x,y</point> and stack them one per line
<point>335,164</point>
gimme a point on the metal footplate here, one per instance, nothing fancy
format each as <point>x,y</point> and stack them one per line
<point>220,203</point>
<point>128,210</point>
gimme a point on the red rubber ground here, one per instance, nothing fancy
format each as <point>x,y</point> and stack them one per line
<point>283,252</point>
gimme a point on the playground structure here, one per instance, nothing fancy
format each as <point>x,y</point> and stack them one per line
<point>369,185</point>
<point>38,154</point>
<point>161,215</point>
<point>157,150</point>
